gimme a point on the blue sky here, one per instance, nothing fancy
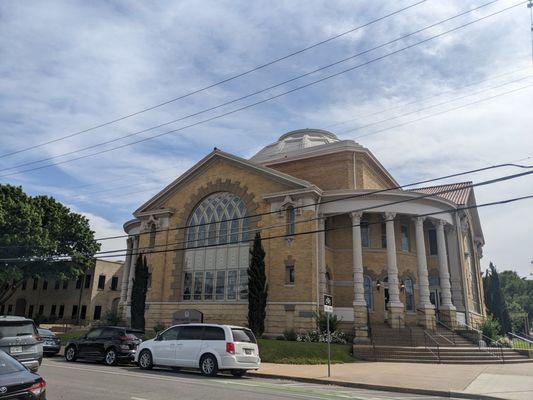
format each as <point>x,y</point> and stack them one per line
<point>66,66</point>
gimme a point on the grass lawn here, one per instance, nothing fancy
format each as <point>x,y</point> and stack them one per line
<point>285,352</point>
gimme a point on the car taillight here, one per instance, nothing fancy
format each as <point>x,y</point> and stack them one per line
<point>230,347</point>
<point>38,387</point>
<point>124,338</point>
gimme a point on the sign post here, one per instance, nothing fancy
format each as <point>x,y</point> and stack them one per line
<point>328,310</point>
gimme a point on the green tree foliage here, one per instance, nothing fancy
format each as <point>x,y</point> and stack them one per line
<point>495,300</point>
<point>48,239</point>
<point>138,293</point>
<point>257,288</point>
<point>518,293</point>
<point>490,327</point>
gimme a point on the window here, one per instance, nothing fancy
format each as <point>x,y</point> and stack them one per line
<point>405,237</point>
<point>83,313</point>
<point>101,282</point>
<point>291,218</point>
<point>97,313</point>
<point>87,281</point>
<point>61,311</point>
<point>74,311</point>
<point>153,232</point>
<point>30,311</point>
<point>114,283</point>
<point>243,284</point>
<point>368,292</point>
<point>41,310</point>
<point>187,286</point>
<point>189,332</point>
<point>434,280</point>
<point>432,240</point>
<point>383,235</point>
<point>289,275</point>
<point>2,309</point>
<point>78,282</point>
<point>24,283</point>
<point>198,283</point>
<point>243,335</point>
<point>232,285</point>
<point>95,333</point>
<point>208,288</point>
<point>53,310</point>
<point>56,284</point>
<point>170,334</point>
<point>327,232</point>
<point>9,309</point>
<point>214,333</point>
<point>221,285</point>
<point>65,284</point>
<point>409,294</point>
<point>365,233</point>
<point>45,284</point>
<point>35,283</point>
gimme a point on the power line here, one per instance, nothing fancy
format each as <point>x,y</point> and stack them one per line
<point>226,80</point>
<point>252,94</point>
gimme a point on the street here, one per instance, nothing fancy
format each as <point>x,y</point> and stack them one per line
<point>84,381</point>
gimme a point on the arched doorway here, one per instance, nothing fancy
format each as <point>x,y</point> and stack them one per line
<point>20,307</point>
<point>435,295</point>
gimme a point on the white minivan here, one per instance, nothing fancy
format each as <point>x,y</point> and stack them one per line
<point>209,347</point>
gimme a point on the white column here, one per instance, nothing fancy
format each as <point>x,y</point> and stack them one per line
<point>392,267</point>
<point>358,275</point>
<point>421,264</point>
<point>135,250</point>
<point>125,272</point>
<point>444,273</point>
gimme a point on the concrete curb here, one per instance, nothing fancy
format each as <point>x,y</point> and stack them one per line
<point>428,392</point>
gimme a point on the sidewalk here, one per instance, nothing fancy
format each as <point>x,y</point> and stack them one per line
<point>508,381</point>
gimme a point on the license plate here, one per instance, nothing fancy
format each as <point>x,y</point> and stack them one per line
<point>248,351</point>
<point>15,349</point>
<point>49,342</point>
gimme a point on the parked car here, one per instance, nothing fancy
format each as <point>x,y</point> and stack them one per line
<point>20,338</point>
<point>110,344</point>
<point>51,343</point>
<point>211,348</point>
<point>17,382</point>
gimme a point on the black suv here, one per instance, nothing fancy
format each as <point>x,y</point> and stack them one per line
<point>110,344</point>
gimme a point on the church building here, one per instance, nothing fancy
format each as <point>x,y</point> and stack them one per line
<point>333,221</point>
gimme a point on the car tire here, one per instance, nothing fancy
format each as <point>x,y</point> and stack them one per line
<point>111,358</point>
<point>238,373</point>
<point>145,360</point>
<point>71,354</point>
<point>208,365</point>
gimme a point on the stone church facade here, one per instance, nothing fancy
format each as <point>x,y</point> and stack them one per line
<point>329,225</point>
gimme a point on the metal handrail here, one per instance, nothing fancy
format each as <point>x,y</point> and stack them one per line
<point>428,336</point>
<point>490,344</point>
<point>449,329</point>
<point>520,342</point>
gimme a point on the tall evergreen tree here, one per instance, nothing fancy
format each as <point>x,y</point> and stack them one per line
<point>138,293</point>
<point>494,299</point>
<point>257,288</point>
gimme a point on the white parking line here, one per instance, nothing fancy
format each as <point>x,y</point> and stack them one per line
<point>137,398</point>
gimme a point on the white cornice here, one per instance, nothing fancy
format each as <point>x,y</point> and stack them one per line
<point>315,191</point>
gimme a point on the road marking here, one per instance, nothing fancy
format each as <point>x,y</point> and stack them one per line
<point>137,398</point>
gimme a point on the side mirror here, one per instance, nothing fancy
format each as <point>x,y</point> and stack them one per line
<point>158,337</point>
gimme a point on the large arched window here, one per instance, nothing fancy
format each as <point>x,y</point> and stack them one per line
<point>368,292</point>
<point>216,259</point>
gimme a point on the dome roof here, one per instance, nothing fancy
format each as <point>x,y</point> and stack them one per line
<point>293,142</point>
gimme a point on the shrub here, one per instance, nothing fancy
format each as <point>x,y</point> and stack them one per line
<point>317,336</point>
<point>112,318</point>
<point>158,327</point>
<point>290,335</point>
<point>321,319</point>
<point>490,327</point>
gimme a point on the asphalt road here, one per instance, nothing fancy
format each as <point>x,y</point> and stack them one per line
<point>88,381</point>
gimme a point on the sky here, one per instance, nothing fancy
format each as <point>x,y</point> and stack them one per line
<point>69,65</point>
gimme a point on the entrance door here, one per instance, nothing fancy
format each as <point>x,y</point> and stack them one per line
<point>436,298</point>
<point>386,298</point>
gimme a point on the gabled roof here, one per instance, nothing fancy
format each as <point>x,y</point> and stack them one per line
<point>218,154</point>
<point>459,195</point>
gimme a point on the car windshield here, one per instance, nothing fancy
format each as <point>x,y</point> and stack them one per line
<point>17,329</point>
<point>8,364</point>
<point>243,335</point>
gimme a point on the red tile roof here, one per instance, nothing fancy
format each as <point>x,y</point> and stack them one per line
<point>459,195</point>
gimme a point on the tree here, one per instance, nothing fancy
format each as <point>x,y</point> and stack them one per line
<point>138,293</point>
<point>40,238</point>
<point>494,299</point>
<point>257,288</point>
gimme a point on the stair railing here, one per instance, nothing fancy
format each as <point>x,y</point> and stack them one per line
<point>431,340</point>
<point>449,330</point>
<point>520,342</point>
<point>485,343</point>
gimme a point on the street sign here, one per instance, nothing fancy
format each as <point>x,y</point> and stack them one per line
<point>328,303</point>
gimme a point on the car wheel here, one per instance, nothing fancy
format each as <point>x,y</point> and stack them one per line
<point>145,360</point>
<point>71,354</point>
<point>238,372</point>
<point>209,365</point>
<point>110,357</point>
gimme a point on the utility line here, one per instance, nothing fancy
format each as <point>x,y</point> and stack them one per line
<point>239,75</point>
<point>252,94</point>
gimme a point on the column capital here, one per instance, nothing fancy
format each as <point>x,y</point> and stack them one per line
<point>440,223</point>
<point>356,215</point>
<point>389,216</point>
<point>419,220</point>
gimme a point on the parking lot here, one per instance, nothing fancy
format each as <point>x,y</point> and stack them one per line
<point>84,381</point>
